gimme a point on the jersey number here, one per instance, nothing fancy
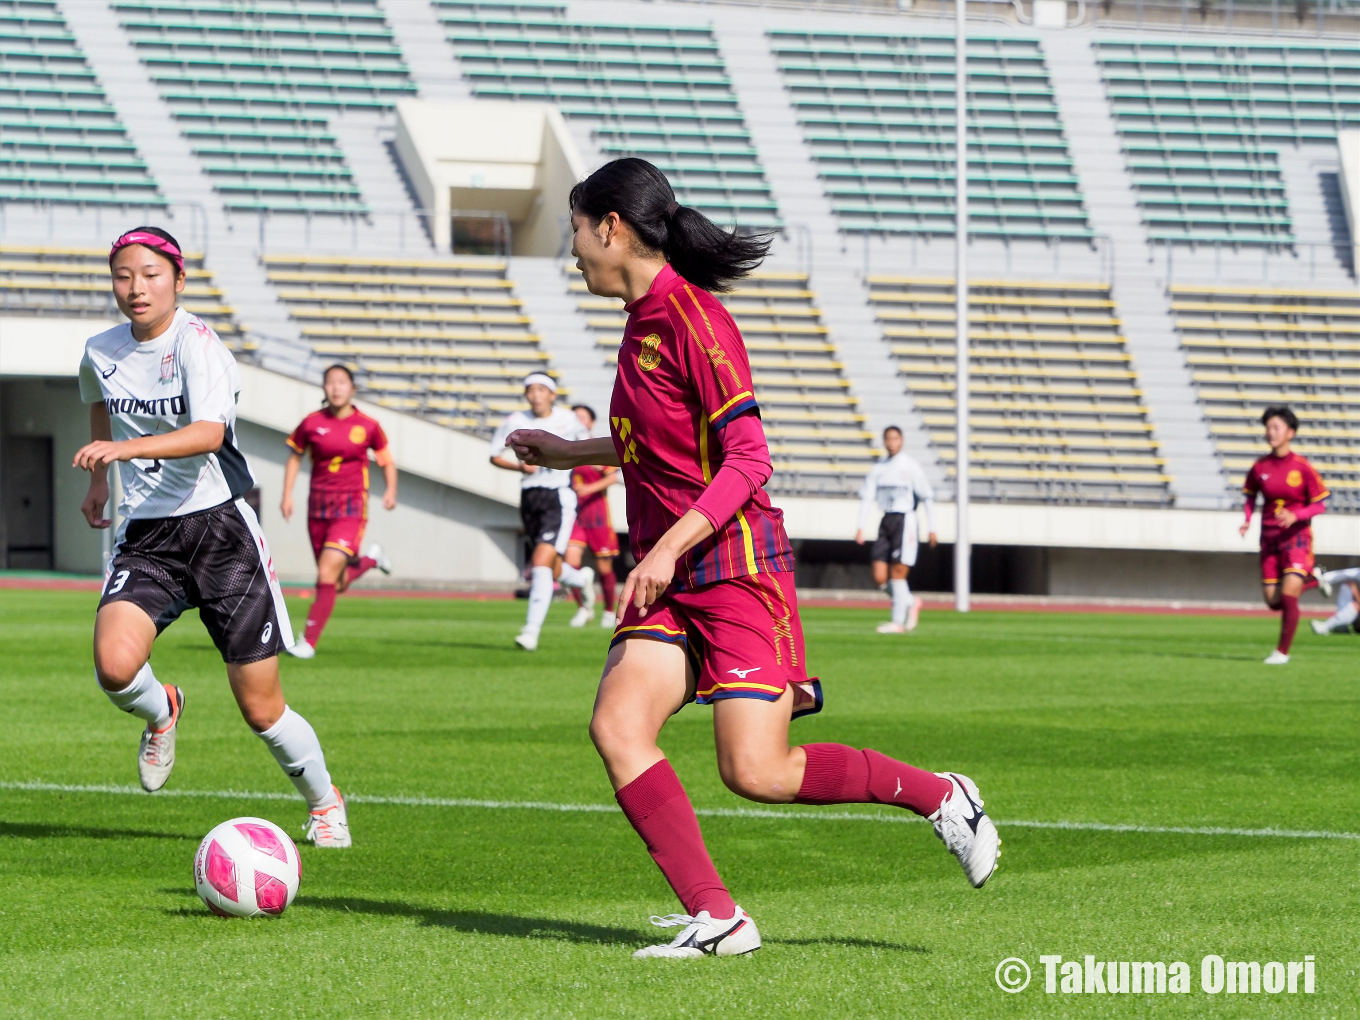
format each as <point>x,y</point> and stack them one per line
<point>117,581</point>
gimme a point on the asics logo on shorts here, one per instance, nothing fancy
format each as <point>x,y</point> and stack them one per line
<point>267,633</point>
<point>740,674</point>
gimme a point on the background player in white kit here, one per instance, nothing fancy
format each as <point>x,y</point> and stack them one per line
<point>547,503</point>
<point>1346,584</point>
<point>162,391</point>
<point>897,485</point>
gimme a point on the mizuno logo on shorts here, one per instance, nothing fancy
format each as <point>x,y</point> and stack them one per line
<point>740,674</point>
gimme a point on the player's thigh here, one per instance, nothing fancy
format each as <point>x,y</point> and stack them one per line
<point>752,740</point>
<point>576,555</point>
<point>899,571</point>
<point>123,636</point>
<point>258,692</point>
<point>880,572</point>
<point>1292,585</point>
<point>545,555</point>
<point>331,565</point>
<point>645,682</point>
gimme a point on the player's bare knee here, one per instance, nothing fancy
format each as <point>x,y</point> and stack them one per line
<point>262,716</point>
<point>610,734</point>
<point>117,663</point>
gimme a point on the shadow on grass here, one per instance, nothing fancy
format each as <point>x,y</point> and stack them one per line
<point>850,942</point>
<point>508,647</point>
<point>27,830</point>
<point>479,922</point>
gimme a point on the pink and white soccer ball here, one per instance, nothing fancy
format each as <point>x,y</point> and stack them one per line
<point>247,867</point>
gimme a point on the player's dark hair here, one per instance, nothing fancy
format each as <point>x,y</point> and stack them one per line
<point>892,428</point>
<point>1284,414</point>
<point>586,408</point>
<point>697,248</point>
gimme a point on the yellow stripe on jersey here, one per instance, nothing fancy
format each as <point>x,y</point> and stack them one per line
<point>720,411</point>
<point>747,544</point>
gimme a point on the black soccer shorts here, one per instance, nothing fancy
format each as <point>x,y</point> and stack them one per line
<point>548,515</point>
<point>895,542</point>
<point>215,561</point>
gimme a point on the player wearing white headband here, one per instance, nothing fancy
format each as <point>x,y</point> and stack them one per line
<point>547,503</point>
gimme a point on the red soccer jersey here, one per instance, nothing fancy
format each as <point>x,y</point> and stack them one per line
<point>683,375</point>
<point>339,449</point>
<point>591,511</point>
<point>1287,483</point>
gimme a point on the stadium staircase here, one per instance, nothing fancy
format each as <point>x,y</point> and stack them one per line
<point>420,37</point>
<point>1139,289</point>
<point>838,280</point>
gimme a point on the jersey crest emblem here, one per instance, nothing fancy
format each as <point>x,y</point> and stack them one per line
<point>1294,478</point>
<point>650,355</point>
<point>358,434</point>
<point>168,367</point>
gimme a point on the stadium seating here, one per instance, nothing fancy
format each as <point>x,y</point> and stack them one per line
<point>818,443</point>
<point>251,83</point>
<point>1201,124</point>
<point>878,113</point>
<point>74,283</point>
<point>60,140</point>
<point>443,338</point>
<point>646,90</point>
<point>1253,347</point>
<point>1056,413</point>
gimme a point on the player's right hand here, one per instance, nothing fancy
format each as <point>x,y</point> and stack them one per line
<point>286,508</point>
<point>859,537</point>
<point>1243,529</point>
<point>540,448</point>
<point>93,506</point>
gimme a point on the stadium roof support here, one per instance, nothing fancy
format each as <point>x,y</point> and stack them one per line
<point>516,159</point>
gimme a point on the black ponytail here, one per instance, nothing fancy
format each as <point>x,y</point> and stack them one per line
<point>697,248</point>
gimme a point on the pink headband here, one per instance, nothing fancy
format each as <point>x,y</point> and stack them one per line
<point>167,248</point>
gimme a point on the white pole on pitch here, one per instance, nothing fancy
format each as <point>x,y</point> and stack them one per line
<point>963,545</point>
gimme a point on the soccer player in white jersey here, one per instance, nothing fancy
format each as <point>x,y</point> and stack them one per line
<point>162,391</point>
<point>897,485</point>
<point>547,502</point>
<point>1346,584</point>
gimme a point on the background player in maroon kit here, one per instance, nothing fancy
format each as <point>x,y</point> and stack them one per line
<point>593,530</point>
<point>339,437</point>
<point>1293,494</point>
<point>710,613</point>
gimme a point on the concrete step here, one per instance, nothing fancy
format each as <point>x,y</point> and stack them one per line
<point>426,49</point>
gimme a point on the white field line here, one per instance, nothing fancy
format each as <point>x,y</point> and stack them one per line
<point>895,817</point>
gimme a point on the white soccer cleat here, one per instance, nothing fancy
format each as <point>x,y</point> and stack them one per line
<point>383,562</point>
<point>156,756</point>
<point>588,589</point>
<point>329,827</point>
<point>1319,627</point>
<point>889,627</point>
<point>527,639</point>
<point>608,621</point>
<point>914,613</point>
<point>1320,576</point>
<point>1276,658</point>
<point>966,830</point>
<point>703,935</point>
<point>302,650</point>
<point>581,618</point>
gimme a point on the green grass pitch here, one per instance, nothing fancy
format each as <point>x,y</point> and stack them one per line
<point>439,911</point>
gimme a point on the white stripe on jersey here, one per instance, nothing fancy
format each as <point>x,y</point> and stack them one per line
<point>183,376</point>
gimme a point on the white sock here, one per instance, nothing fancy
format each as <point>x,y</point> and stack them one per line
<point>901,599</point>
<point>572,577</point>
<point>293,743</point>
<point>144,697</point>
<point>540,595</point>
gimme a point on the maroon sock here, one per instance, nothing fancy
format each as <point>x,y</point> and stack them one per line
<point>837,774</point>
<point>660,811</point>
<point>319,613</point>
<point>607,587</point>
<point>358,570</point>
<point>1289,621</point>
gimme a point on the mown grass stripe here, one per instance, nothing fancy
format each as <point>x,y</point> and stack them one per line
<point>534,805</point>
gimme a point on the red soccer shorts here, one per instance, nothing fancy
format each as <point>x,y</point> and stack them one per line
<point>342,533</point>
<point>1287,554</point>
<point>743,637</point>
<point>602,541</point>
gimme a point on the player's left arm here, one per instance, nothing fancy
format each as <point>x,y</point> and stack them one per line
<point>193,440</point>
<point>583,489</point>
<point>926,493</point>
<point>382,453</point>
<point>1315,499</point>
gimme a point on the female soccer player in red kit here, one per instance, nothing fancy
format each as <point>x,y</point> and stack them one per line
<point>1293,494</point>
<point>339,437</point>
<point>709,614</point>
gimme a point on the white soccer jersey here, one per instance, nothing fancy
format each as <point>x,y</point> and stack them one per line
<point>562,422</point>
<point>897,485</point>
<point>182,376</point>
